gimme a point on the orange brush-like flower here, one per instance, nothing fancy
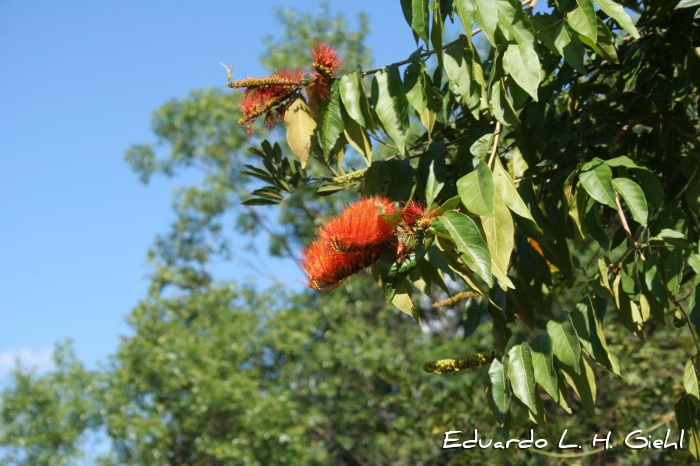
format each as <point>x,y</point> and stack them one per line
<point>349,242</point>
<point>328,268</point>
<point>360,225</point>
<point>325,63</point>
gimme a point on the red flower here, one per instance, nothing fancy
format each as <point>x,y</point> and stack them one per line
<point>360,226</point>
<point>415,215</point>
<point>328,268</point>
<point>349,242</point>
<point>262,95</point>
<point>325,63</point>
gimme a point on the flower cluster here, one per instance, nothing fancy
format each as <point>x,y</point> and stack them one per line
<point>355,239</point>
<point>262,95</point>
<point>325,63</point>
<point>270,96</point>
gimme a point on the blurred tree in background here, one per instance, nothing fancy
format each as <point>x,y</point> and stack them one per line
<point>219,373</point>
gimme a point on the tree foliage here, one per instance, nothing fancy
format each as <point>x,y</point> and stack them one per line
<point>558,172</point>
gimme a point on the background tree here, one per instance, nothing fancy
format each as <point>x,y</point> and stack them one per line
<point>604,266</point>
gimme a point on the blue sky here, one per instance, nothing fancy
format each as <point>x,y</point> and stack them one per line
<point>80,80</point>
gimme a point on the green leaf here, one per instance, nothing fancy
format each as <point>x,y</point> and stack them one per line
<point>569,46</point>
<point>486,15</point>
<point>436,33</point>
<point>565,344</point>
<point>653,190</point>
<point>502,106</point>
<point>546,33</point>
<point>633,195</point>
<point>674,263</point>
<point>583,384</point>
<point>500,237</point>
<point>590,334</point>
<point>543,364</point>
<point>433,162</point>
<point>605,43</point>
<point>300,128</point>
<point>402,299</point>
<point>616,12</point>
<point>596,177</point>
<point>458,62</point>
<point>417,16</point>
<point>687,4</point>
<point>522,375</point>
<point>506,188</point>
<point>563,393</point>
<point>524,66</point>
<point>414,82</point>
<point>355,100</point>
<point>359,139</point>
<point>330,119</point>
<point>694,308</point>
<point>465,10</point>
<point>471,246</point>
<point>583,20</point>
<point>690,382</point>
<point>391,105</point>
<point>627,310</point>
<point>653,268</point>
<point>687,417</point>
<point>499,391</point>
<point>477,190</point>
<point>390,178</point>
<point>623,161</point>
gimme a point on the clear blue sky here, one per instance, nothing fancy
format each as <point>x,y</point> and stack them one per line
<point>80,80</point>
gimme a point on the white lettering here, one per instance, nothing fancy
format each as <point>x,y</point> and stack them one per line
<point>537,443</point>
<point>606,440</point>
<point>466,443</point>
<point>447,438</point>
<point>520,444</point>
<point>561,440</point>
<point>644,441</point>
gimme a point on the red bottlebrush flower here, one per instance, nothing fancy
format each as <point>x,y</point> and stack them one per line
<point>360,226</point>
<point>262,95</point>
<point>415,215</point>
<point>327,268</point>
<point>326,58</point>
<point>325,63</point>
<point>411,213</point>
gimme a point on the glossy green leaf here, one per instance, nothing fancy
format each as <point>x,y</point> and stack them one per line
<point>355,100</point>
<point>458,62</point>
<point>358,138</point>
<point>502,106</point>
<point>543,364</point>
<point>391,105</point>
<point>583,384</point>
<point>499,391</point>
<point>414,82</point>
<point>524,66</point>
<point>616,12</point>
<point>330,119</point>
<point>477,190</point>
<point>472,248</point>
<point>596,179</point>
<point>605,42</point>
<point>486,16</point>
<point>506,188</point>
<point>500,237</point>
<point>690,382</point>
<point>436,33</point>
<point>465,10</point>
<point>590,334</point>
<point>633,195</point>
<point>417,16</point>
<point>687,419</point>
<point>546,33</point>
<point>583,20</point>
<point>628,311</point>
<point>569,46</point>
<point>522,375</point>
<point>687,4</point>
<point>565,343</point>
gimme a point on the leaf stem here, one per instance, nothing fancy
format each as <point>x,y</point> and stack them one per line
<point>494,150</point>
